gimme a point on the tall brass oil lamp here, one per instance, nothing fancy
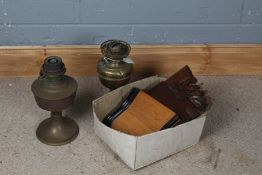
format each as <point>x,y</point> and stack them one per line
<point>54,91</point>
<point>113,69</point>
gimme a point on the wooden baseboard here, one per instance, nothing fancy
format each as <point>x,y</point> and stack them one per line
<point>149,60</point>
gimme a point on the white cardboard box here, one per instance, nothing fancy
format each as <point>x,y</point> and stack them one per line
<point>139,151</point>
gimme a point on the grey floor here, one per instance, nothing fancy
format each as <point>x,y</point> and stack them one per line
<point>231,142</point>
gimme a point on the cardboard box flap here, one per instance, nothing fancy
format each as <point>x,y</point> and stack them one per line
<point>122,144</point>
<point>158,145</point>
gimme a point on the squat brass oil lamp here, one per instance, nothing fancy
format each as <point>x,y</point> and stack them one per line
<point>113,69</point>
<point>54,91</point>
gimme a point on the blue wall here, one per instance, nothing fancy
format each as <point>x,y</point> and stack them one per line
<point>26,22</point>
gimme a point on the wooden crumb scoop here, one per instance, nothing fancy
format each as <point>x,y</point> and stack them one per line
<point>143,116</point>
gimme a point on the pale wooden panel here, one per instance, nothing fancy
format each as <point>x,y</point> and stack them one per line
<point>20,62</point>
<point>149,59</point>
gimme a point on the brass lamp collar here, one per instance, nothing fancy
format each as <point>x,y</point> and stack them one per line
<point>53,65</point>
<point>115,49</point>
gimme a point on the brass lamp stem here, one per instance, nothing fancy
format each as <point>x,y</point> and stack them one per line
<point>56,114</point>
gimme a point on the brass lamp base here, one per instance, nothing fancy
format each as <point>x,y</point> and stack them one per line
<point>57,130</point>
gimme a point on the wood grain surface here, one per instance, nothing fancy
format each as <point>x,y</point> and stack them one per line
<point>145,115</point>
<point>81,60</point>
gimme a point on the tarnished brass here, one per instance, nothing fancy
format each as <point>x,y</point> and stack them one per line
<point>113,70</point>
<point>54,91</point>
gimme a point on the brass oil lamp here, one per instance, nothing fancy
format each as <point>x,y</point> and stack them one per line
<point>54,91</point>
<point>113,70</point>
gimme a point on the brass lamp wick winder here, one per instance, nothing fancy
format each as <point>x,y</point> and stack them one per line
<point>54,91</point>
